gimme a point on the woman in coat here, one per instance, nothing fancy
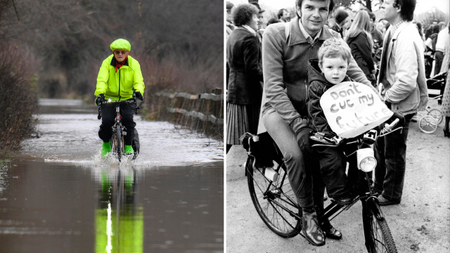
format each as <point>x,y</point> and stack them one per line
<point>245,77</point>
<point>360,42</point>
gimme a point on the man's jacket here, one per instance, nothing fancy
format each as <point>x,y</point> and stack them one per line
<point>119,85</point>
<point>404,70</point>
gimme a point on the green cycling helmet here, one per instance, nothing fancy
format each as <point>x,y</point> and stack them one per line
<point>120,44</point>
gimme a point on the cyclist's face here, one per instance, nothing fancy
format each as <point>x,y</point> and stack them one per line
<point>121,55</point>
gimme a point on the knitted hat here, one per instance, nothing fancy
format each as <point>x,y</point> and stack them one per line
<point>340,16</point>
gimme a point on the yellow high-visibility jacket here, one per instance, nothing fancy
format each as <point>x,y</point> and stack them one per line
<point>119,85</point>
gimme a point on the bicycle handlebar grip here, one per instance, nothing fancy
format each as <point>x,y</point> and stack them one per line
<point>392,125</point>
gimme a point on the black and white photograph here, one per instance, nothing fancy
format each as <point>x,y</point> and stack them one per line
<point>337,126</point>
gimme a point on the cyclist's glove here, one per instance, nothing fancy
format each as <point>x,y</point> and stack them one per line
<point>100,99</point>
<point>139,96</point>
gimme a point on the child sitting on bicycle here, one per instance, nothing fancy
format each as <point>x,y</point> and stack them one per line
<point>118,77</point>
<point>328,70</point>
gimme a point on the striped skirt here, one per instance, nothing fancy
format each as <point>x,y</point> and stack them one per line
<point>241,119</point>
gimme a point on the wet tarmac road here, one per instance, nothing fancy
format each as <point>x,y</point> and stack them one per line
<point>59,196</point>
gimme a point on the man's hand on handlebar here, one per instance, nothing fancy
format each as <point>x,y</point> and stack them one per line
<point>326,138</point>
<point>139,96</point>
<point>100,99</point>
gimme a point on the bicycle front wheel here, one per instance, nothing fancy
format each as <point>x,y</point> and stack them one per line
<point>274,200</point>
<point>428,124</point>
<point>119,143</point>
<point>378,235</point>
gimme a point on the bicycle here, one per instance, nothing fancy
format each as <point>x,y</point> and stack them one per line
<point>430,118</point>
<point>274,198</point>
<point>119,131</point>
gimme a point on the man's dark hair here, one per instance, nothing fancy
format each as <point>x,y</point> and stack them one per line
<point>280,13</point>
<point>407,8</point>
<point>298,4</point>
<point>243,13</point>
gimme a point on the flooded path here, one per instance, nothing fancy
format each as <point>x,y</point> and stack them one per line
<point>59,196</point>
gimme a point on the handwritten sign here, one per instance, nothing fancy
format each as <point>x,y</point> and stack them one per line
<point>353,108</point>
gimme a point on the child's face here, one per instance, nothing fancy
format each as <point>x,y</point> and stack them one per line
<point>334,69</point>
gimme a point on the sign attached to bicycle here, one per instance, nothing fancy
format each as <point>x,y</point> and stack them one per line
<point>352,108</point>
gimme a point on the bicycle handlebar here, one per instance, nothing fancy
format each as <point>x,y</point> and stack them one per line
<point>134,101</point>
<point>322,141</point>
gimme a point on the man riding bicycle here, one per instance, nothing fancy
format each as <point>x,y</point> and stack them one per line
<point>119,76</point>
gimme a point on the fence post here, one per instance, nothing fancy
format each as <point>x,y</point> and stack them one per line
<point>202,112</point>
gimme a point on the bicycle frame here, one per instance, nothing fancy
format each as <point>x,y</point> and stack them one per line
<point>119,133</point>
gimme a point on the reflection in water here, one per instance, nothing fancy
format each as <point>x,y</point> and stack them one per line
<point>119,220</point>
<point>60,207</point>
<point>58,196</point>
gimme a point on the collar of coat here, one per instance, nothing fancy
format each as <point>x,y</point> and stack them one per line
<point>114,62</point>
<point>397,29</point>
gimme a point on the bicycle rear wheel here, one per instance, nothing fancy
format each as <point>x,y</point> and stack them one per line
<point>274,201</point>
<point>436,114</point>
<point>378,235</point>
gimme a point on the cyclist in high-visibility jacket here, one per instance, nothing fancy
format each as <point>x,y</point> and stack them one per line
<point>118,76</point>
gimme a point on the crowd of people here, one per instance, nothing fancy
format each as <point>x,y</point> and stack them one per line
<point>276,75</point>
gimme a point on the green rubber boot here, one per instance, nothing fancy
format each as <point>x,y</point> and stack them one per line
<point>129,150</point>
<point>106,148</point>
